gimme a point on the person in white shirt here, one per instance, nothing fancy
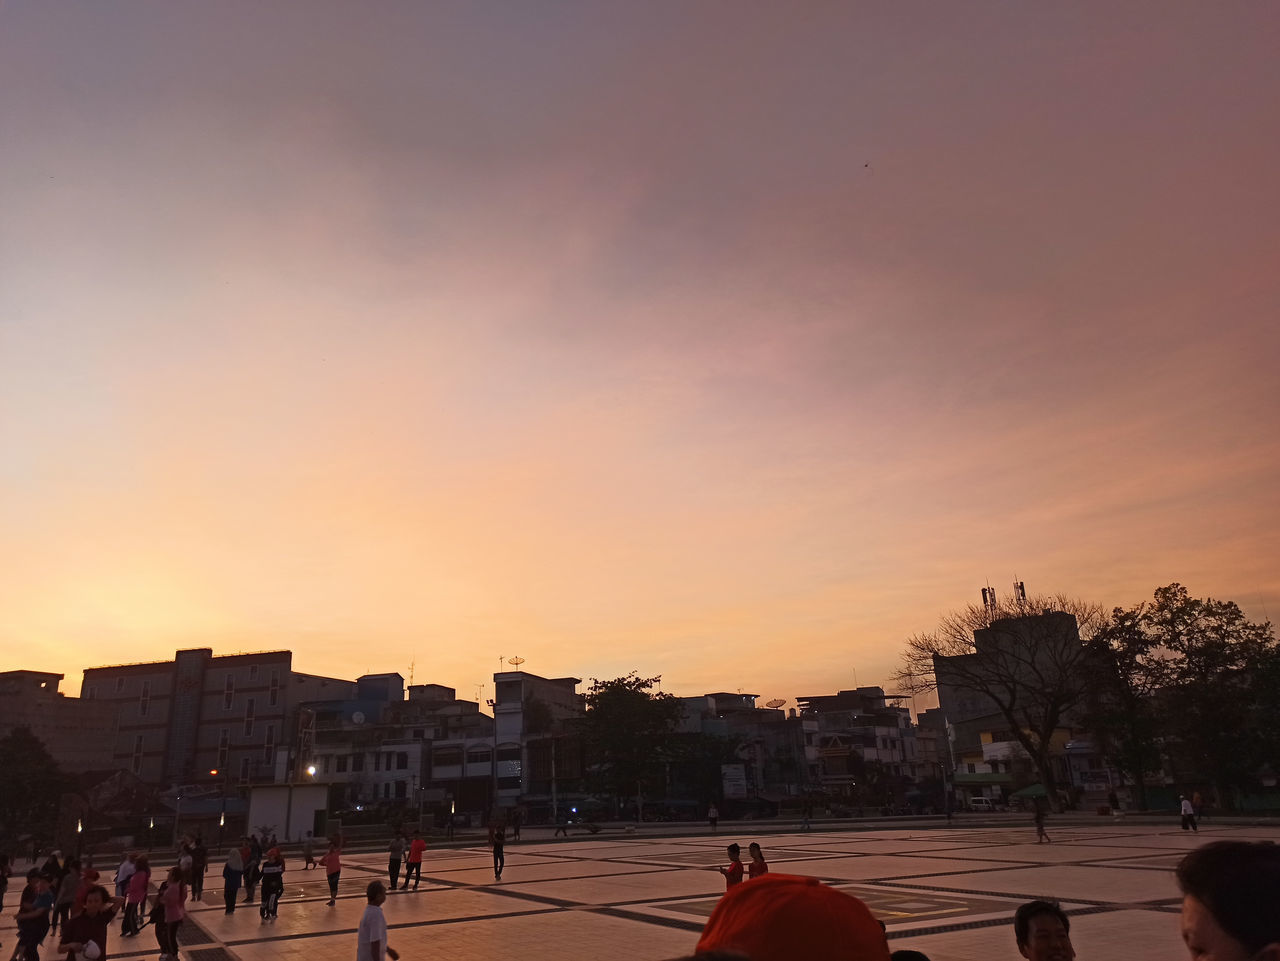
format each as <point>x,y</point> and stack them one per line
<point>371,937</point>
<point>123,873</point>
<point>1188,815</point>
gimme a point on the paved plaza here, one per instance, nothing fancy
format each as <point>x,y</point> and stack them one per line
<point>949,892</point>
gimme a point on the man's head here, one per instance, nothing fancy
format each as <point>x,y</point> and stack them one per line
<point>95,899</point>
<point>780,917</point>
<point>1230,891</point>
<point>1043,932</point>
<point>376,892</point>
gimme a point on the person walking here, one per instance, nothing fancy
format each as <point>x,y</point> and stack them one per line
<point>252,866</point>
<point>371,935</point>
<point>308,852</point>
<point>66,895</point>
<point>732,873</point>
<point>272,884</point>
<point>34,908</point>
<point>416,849</point>
<point>713,815</point>
<point>332,864</point>
<point>232,875</point>
<point>497,841</point>
<point>396,851</point>
<point>1042,837</point>
<point>135,896</point>
<point>199,864</point>
<point>758,866</point>
<point>1188,815</point>
<point>172,901</point>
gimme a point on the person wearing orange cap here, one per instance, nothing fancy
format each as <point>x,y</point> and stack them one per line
<point>272,884</point>
<point>781,917</point>
<point>733,873</point>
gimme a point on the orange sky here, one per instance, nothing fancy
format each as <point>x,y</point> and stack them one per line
<point>723,341</point>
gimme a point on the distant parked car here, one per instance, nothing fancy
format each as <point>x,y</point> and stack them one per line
<point>982,804</point>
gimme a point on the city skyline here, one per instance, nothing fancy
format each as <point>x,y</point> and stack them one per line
<point>723,342</point>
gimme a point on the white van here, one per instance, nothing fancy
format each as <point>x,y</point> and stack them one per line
<point>984,804</point>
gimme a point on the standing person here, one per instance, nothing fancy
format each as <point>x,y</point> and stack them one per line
<point>199,864</point>
<point>371,936</point>
<point>332,864</point>
<point>396,852</point>
<point>66,895</point>
<point>252,863</point>
<point>90,927</point>
<point>232,875</point>
<point>1113,800</point>
<point>713,815</point>
<point>308,852</point>
<point>135,898</point>
<point>173,899</point>
<point>416,847</point>
<point>1041,834</point>
<point>1188,815</point>
<point>732,873</point>
<point>33,916</point>
<point>88,879</point>
<point>517,819</point>
<point>128,864</point>
<point>272,884</point>
<point>758,865</point>
<point>1197,804</point>
<point>497,841</point>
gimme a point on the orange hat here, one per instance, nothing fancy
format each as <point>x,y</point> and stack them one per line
<point>779,917</point>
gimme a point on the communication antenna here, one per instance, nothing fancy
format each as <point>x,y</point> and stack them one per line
<point>412,664</point>
<point>516,662</point>
<point>776,703</point>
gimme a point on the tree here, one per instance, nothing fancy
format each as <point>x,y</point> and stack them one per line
<point>1216,702</point>
<point>31,788</point>
<point>1021,659</point>
<point>1125,672</point>
<point>629,731</point>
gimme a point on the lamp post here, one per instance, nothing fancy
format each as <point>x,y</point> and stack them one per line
<point>222,815</point>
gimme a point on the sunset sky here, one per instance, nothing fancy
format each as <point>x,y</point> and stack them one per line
<point>727,341</point>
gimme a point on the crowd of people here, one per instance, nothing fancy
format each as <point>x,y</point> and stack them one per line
<point>1231,891</point>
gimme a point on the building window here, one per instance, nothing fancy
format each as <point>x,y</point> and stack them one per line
<point>269,746</point>
<point>357,762</point>
<point>244,769</point>
<point>418,733</point>
<point>119,684</point>
<point>342,764</point>
<point>228,692</point>
<point>402,760</point>
<point>273,692</point>
<point>386,790</point>
<point>248,716</point>
<point>377,761</point>
<point>324,764</point>
<point>144,699</point>
<point>447,756</point>
<point>388,760</point>
<point>402,789</point>
<point>137,754</point>
<point>224,744</point>
<point>253,672</point>
<point>91,693</point>
<point>973,769</point>
<point>479,755</point>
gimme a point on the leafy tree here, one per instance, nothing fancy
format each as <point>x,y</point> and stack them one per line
<point>1217,700</point>
<point>1127,669</point>
<point>31,787</point>
<point>1021,659</point>
<point>629,731</point>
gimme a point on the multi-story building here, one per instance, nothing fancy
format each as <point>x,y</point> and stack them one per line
<point>534,753</point>
<point>78,733</point>
<point>204,718</point>
<point>860,726</point>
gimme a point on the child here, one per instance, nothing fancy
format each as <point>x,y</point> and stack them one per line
<point>332,864</point>
<point>371,936</point>
<point>733,873</point>
<point>757,867</point>
<point>85,935</point>
<point>272,884</point>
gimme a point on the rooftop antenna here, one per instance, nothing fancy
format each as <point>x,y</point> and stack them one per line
<point>411,666</point>
<point>516,661</point>
<point>1019,590</point>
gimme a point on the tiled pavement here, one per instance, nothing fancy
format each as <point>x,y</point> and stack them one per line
<point>948,892</point>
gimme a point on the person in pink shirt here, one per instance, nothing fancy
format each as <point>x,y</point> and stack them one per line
<point>135,895</point>
<point>332,864</point>
<point>172,899</point>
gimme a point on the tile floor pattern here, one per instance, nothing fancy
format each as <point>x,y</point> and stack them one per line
<point>947,892</point>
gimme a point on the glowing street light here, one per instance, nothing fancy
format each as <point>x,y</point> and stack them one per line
<point>311,770</point>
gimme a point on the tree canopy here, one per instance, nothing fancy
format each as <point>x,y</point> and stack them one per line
<point>31,787</point>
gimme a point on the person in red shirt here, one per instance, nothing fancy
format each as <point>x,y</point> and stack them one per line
<point>733,873</point>
<point>757,867</point>
<point>414,865</point>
